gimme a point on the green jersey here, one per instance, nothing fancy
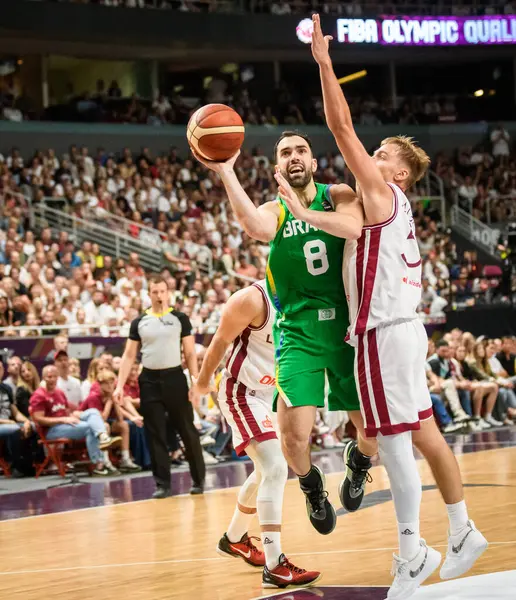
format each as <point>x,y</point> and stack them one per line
<point>304,271</point>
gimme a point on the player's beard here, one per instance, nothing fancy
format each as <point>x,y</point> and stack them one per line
<point>298,180</point>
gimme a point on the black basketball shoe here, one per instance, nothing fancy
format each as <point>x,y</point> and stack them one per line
<point>320,512</point>
<point>352,488</point>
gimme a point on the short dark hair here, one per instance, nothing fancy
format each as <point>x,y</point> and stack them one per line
<point>442,344</point>
<point>292,133</point>
<point>156,280</point>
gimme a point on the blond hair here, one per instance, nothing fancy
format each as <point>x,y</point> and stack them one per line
<point>93,370</point>
<point>35,380</point>
<point>105,375</point>
<point>416,159</point>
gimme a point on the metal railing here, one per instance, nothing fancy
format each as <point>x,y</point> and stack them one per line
<point>430,190</point>
<point>111,242</point>
<point>148,235</point>
<point>474,230</point>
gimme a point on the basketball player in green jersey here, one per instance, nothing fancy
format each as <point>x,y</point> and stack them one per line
<point>304,279</point>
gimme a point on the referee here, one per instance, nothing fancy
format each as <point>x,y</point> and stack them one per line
<point>161,332</point>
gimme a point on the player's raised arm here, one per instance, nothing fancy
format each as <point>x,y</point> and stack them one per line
<point>245,307</point>
<point>347,220</point>
<point>259,223</point>
<point>377,194</point>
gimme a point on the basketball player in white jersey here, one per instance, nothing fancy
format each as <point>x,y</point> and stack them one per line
<point>382,277</point>
<point>245,399</point>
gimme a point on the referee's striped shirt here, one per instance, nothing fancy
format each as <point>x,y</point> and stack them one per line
<point>160,336</point>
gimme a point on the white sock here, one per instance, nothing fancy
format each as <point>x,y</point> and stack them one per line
<point>239,524</point>
<point>125,455</point>
<point>458,516</point>
<point>271,541</point>
<point>247,501</point>
<point>107,461</point>
<point>408,538</point>
<point>398,457</point>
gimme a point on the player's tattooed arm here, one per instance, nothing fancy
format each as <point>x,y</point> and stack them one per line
<point>377,196</point>
<point>345,222</point>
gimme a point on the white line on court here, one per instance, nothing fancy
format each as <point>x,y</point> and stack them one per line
<point>209,559</point>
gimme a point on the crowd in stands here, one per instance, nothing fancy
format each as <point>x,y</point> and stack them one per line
<point>350,8</point>
<point>483,179</point>
<point>62,405</point>
<point>47,280</point>
<point>254,103</point>
<point>471,382</point>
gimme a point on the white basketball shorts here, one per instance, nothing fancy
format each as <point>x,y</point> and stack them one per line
<point>248,412</point>
<point>391,378</point>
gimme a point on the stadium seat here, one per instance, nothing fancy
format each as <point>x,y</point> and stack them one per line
<point>4,465</point>
<point>61,452</point>
<point>492,271</point>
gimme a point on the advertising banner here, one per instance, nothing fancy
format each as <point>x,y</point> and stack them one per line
<point>420,31</point>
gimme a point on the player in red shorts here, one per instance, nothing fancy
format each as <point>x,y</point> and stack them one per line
<point>245,399</point>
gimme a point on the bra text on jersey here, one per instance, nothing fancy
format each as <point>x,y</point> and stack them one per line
<point>296,227</point>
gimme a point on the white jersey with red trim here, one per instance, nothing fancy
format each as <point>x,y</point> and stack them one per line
<point>251,361</point>
<point>382,271</point>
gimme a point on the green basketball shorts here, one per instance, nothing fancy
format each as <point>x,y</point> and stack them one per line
<point>308,348</point>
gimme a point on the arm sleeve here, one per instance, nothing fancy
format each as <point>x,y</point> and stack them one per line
<point>186,326</point>
<point>133,330</point>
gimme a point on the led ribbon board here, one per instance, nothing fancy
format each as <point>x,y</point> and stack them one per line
<point>420,31</point>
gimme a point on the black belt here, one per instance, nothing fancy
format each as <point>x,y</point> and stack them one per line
<point>162,371</point>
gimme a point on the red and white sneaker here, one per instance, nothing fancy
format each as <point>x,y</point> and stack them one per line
<point>287,575</point>
<point>244,549</point>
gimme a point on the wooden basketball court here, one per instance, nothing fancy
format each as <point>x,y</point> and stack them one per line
<point>166,549</point>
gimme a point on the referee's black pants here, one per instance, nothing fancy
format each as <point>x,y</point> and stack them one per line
<point>162,392</point>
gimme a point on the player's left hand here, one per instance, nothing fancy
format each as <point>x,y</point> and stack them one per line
<point>195,393</point>
<point>287,194</point>
<point>320,42</point>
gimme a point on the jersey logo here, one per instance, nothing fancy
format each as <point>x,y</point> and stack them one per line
<point>296,227</point>
<point>411,265</point>
<point>326,314</point>
<point>267,423</point>
<point>268,380</point>
<point>327,206</point>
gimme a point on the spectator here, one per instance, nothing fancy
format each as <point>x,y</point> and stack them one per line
<point>507,357</point>
<point>70,386</point>
<point>500,139</point>
<point>482,372</point>
<point>439,363</point>
<point>445,421</point>
<point>28,383</point>
<point>101,399</point>
<point>75,369</point>
<point>14,426</point>
<point>93,369</point>
<point>506,386</point>
<point>50,410</point>
<point>60,344</point>
<point>13,371</point>
<point>132,386</point>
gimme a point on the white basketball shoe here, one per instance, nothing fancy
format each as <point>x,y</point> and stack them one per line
<point>464,548</point>
<point>409,575</point>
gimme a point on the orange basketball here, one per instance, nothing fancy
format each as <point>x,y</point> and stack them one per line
<point>215,132</point>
